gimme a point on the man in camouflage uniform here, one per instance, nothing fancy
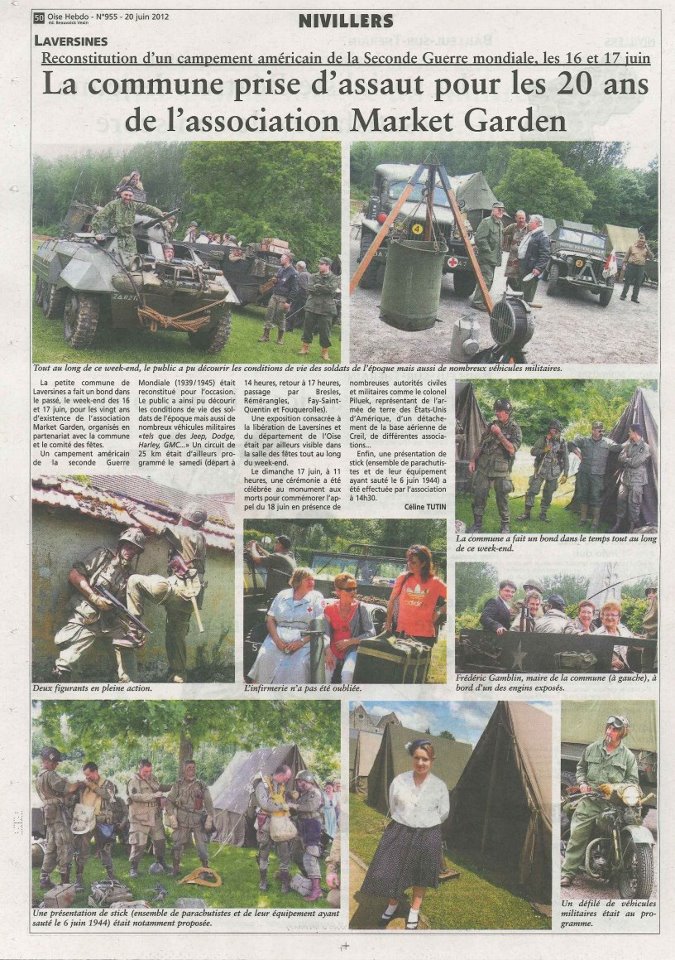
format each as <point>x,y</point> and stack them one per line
<point>492,463</point>
<point>145,796</point>
<point>310,824</point>
<point>190,808</point>
<point>120,215</point>
<point>633,461</point>
<point>284,292</point>
<point>99,793</point>
<point>602,764</point>
<point>590,481</point>
<point>94,616</point>
<point>320,308</point>
<point>271,800</point>
<point>489,243</point>
<point>551,461</point>
<point>184,581</point>
<point>52,790</point>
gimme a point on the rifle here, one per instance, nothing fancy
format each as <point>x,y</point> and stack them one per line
<point>165,216</point>
<point>125,614</point>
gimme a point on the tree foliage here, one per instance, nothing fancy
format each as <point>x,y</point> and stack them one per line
<point>539,182</point>
<point>472,581</point>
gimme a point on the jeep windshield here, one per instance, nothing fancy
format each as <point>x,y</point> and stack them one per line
<point>418,194</point>
<point>363,569</point>
<point>582,239</point>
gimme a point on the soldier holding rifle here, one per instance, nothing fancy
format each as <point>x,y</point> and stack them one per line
<point>551,463</point>
<point>492,463</point>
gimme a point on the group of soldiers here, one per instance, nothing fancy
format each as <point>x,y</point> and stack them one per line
<point>493,460</point>
<point>306,299</point>
<point>79,812</point>
<point>109,597</point>
<point>187,806</point>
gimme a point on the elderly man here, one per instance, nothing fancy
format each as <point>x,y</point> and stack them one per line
<point>120,215</point>
<point>555,619</point>
<point>498,613</point>
<point>320,308</point>
<point>534,253</point>
<point>605,762</point>
<point>489,243</point>
<point>634,267</point>
<point>513,234</point>
<point>492,463</point>
<point>593,452</point>
<point>284,292</point>
<point>634,477</point>
<point>52,789</point>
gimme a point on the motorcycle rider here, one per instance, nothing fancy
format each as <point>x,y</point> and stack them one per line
<point>604,762</point>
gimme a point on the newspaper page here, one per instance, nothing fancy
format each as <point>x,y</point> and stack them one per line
<point>294,664</point>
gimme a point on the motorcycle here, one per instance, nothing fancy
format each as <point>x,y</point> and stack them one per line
<point>622,851</point>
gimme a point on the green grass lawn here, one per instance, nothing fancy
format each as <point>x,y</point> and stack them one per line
<point>236,866</point>
<point>439,659</point>
<point>469,902</point>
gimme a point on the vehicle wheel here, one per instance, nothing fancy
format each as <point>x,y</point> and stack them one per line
<point>373,276</point>
<point>213,337</point>
<point>606,294</point>
<point>80,319</point>
<point>37,293</point>
<point>464,283</point>
<point>553,278</point>
<point>636,877</point>
<point>53,301</point>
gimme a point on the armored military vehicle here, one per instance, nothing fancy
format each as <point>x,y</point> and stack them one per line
<point>579,259</point>
<point>247,269</point>
<point>473,195</point>
<point>88,284</point>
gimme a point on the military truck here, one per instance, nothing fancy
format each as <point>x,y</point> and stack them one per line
<point>388,185</point>
<point>579,259</point>
<point>88,284</point>
<point>246,268</point>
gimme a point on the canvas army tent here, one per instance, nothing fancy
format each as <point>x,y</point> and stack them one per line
<point>620,238</point>
<point>231,802</point>
<point>474,196</point>
<point>393,758</point>
<point>501,807</point>
<point>643,409</point>
<point>469,426</point>
<point>366,747</point>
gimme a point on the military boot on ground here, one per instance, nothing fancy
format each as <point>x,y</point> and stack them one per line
<point>618,526</point>
<point>315,892</point>
<point>595,525</point>
<point>280,337</point>
<point>79,881</point>
<point>543,515</point>
<point>477,525</point>
<point>285,878</point>
<point>46,882</point>
<point>65,876</point>
<point>526,514</point>
<point>205,864</point>
<point>133,872</point>
<point>110,872</point>
<point>263,879</point>
<point>324,355</point>
<point>175,870</point>
<point>265,336</point>
<point>583,514</point>
<point>506,526</point>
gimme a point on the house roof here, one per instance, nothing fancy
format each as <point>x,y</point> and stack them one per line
<point>110,497</point>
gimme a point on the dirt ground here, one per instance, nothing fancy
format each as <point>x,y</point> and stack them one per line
<point>569,328</point>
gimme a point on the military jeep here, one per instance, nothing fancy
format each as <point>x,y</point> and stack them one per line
<point>578,258</point>
<point>388,185</point>
<point>88,283</point>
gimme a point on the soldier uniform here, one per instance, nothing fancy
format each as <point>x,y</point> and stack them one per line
<point>101,797</point>
<point>121,216</point>
<point>489,242</point>
<point>284,291</point>
<point>633,459</point>
<point>551,461</point>
<point>190,802</point>
<point>634,267</point>
<point>310,824</point>
<point>320,308</point>
<point>270,798</point>
<point>493,469</point>
<point>590,478</point>
<point>52,789</point>
<point>145,820</point>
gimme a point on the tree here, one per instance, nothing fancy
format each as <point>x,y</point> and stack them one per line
<point>472,581</point>
<point>538,181</point>
<point>447,735</point>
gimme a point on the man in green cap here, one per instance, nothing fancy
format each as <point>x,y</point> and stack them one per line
<point>551,462</point>
<point>120,216</point>
<point>320,308</point>
<point>489,242</point>
<point>492,463</point>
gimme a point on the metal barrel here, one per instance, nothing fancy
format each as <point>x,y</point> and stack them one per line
<point>412,283</point>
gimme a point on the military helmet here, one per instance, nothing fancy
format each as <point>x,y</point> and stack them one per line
<point>555,425</point>
<point>194,514</point>
<point>306,777</point>
<point>134,536</point>
<point>51,753</point>
<point>597,425</point>
<point>502,404</point>
<point>619,723</point>
<point>555,600</point>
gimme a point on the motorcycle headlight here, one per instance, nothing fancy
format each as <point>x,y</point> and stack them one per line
<point>630,795</point>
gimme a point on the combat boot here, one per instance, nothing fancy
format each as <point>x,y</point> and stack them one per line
<point>133,872</point>
<point>285,878</point>
<point>46,882</point>
<point>263,879</point>
<point>324,355</point>
<point>65,876</point>
<point>526,514</point>
<point>618,526</point>
<point>175,872</point>
<point>583,515</point>
<point>596,519</point>
<point>543,514</point>
<point>160,851</point>
<point>110,872</point>
<point>477,525</point>
<point>315,892</point>
<point>79,881</point>
<point>205,863</point>
<point>506,526</point>
<point>265,336</point>
<point>280,337</point>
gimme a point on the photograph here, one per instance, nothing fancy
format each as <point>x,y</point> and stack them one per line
<point>133,579</point>
<point>606,616</point>
<point>345,601</point>
<point>562,456</point>
<point>180,252</point>
<point>608,819</point>
<point>198,804</point>
<point>450,815</point>
<point>504,253</point>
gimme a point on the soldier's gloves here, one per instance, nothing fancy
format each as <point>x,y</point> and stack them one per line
<point>208,824</point>
<point>606,788</point>
<point>100,602</point>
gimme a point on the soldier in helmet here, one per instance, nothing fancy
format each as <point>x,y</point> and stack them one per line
<point>492,463</point>
<point>190,803</point>
<point>146,798</point>
<point>308,807</point>
<point>120,215</point>
<point>52,789</point>
<point>633,462</point>
<point>593,452</point>
<point>93,616</point>
<point>551,464</point>
<point>183,584</point>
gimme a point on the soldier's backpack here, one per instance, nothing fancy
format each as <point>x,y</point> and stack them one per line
<point>106,892</point>
<point>60,897</point>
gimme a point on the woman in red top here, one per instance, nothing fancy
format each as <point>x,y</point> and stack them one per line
<point>417,598</point>
<point>349,622</point>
